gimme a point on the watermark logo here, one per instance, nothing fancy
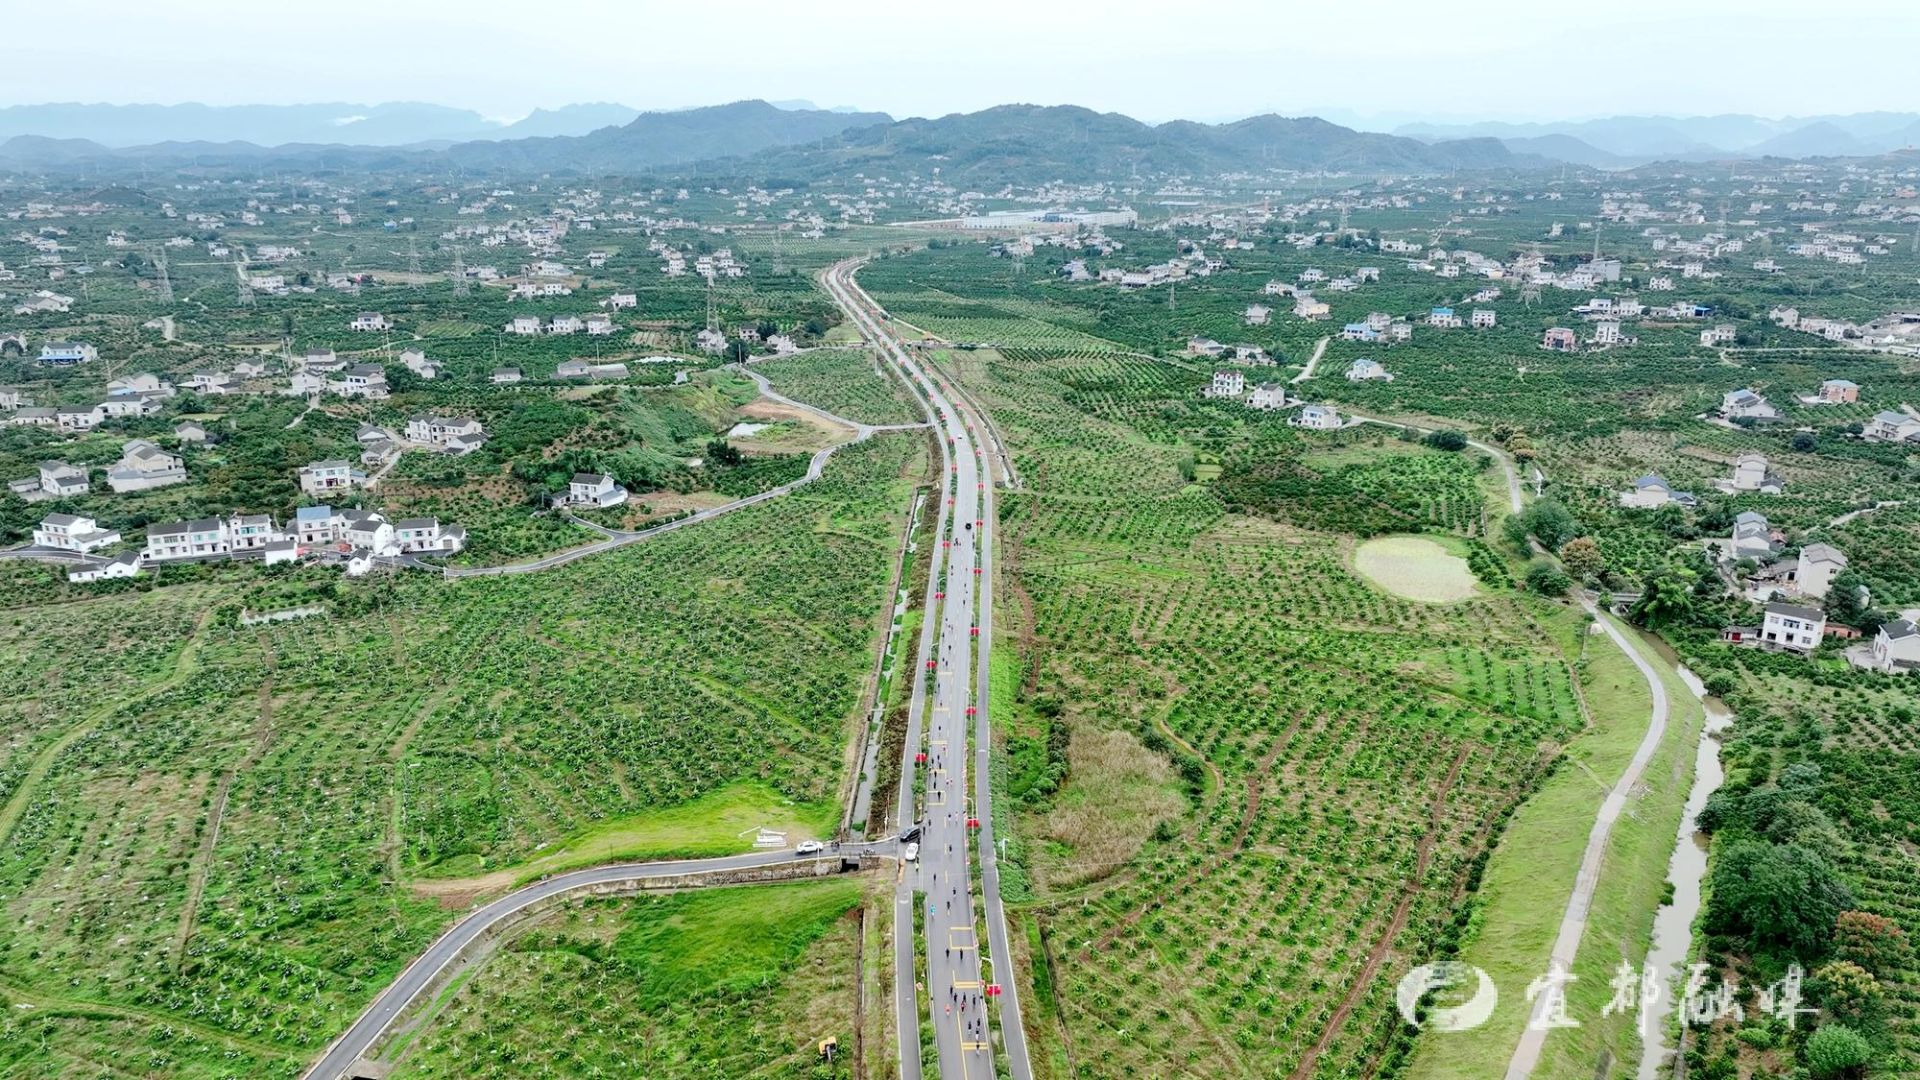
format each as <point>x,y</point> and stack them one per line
<point>1641,993</point>
<point>1443,975</point>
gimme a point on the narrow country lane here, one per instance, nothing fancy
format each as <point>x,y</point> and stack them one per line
<point>1573,922</point>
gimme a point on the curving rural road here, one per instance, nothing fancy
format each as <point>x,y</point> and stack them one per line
<point>619,539</point>
<point>1573,922</point>
<point>428,967</point>
<point>1515,501</point>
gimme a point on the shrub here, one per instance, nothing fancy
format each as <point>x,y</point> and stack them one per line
<point>1836,1050</point>
<point>1581,556</point>
<point>1547,579</point>
<point>1849,994</point>
<point>1874,942</point>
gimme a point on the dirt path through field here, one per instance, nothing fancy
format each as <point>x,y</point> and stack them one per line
<point>1313,362</point>
<point>203,860</point>
<point>1383,946</point>
<point>184,666</point>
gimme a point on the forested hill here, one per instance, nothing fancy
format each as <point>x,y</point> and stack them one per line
<point>1028,143</point>
<point>657,140</point>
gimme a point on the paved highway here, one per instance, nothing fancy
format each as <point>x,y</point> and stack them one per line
<point>956,656</point>
<point>428,966</point>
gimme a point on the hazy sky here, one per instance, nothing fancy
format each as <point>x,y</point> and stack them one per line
<point>1388,60</point>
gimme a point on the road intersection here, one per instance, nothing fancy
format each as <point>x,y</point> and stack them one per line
<point>430,966</point>
<point>948,741</point>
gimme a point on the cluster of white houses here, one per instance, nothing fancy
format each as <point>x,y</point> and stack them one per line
<point>1786,623</point>
<point>598,324</point>
<point>1380,326</point>
<point>143,466</point>
<point>1271,396</point>
<point>349,532</point>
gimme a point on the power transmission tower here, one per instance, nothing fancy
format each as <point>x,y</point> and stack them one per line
<point>710,319</point>
<point>459,273</point>
<point>413,258</point>
<point>166,282</point>
<point>246,287</point>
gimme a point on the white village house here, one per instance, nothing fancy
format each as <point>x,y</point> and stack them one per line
<point>1751,472</point>
<point>1790,626</point>
<point>144,466</point>
<point>67,353</point>
<point>1752,537</point>
<point>1744,403</point>
<point>1317,418</point>
<point>1227,384</point>
<point>124,565</point>
<point>449,434</point>
<point>1650,492</point>
<point>61,480</point>
<point>1891,426</point>
<point>1269,396</point>
<point>1818,565</point>
<point>1896,647</point>
<point>334,474</point>
<point>1367,370</point>
<point>71,532</point>
<point>597,490</point>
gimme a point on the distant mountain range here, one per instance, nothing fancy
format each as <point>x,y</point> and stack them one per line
<point>1620,141</point>
<point>644,142</point>
<point>1008,142</point>
<point>394,123</point>
<point>754,139</point>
